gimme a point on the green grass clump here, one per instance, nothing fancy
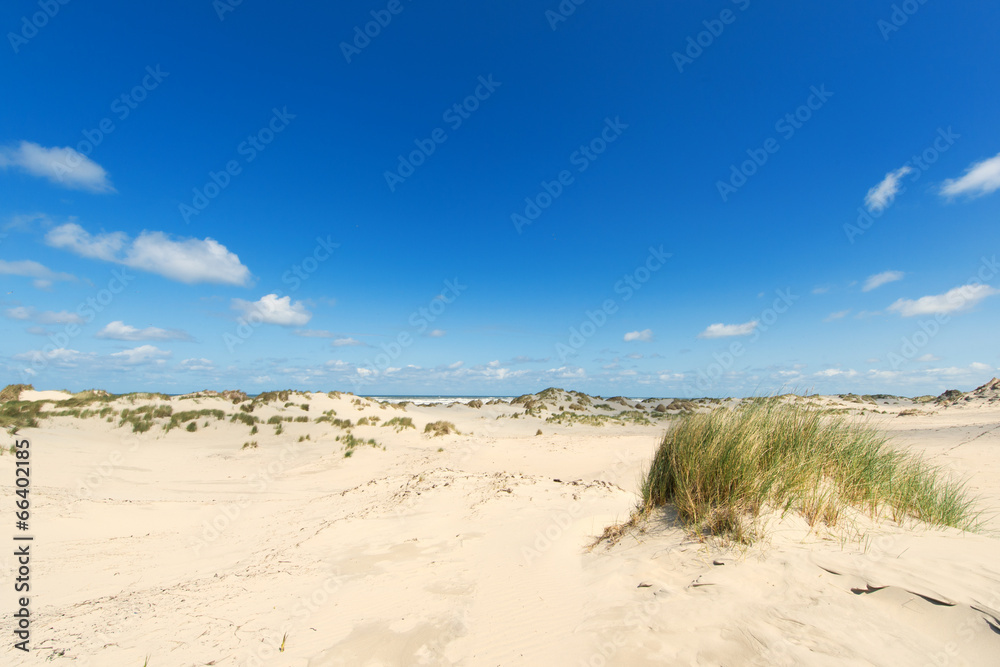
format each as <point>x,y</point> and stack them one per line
<point>192,427</point>
<point>350,443</point>
<point>179,418</point>
<point>400,423</point>
<point>244,418</point>
<point>634,416</point>
<point>141,425</point>
<point>12,392</point>
<point>20,414</point>
<point>724,467</point>
<point>440,428</point>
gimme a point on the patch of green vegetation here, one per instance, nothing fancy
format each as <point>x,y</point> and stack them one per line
<point>245,418</point>
<point>274,419</point>
<point>192,427</point>
<point>440,428</point>
<point>20,414</point>
<point>268,396</point>
<point>350,443</point>
<point>572,418</point>
<point>723,468</point>
<point>327,416</point>
<point>250,445</point>
<point>12,392</point>
<point>633,416</point>
<point>85,398</point>
<point>179,418</point>
<point>301,419</point>
<point>400,423</point>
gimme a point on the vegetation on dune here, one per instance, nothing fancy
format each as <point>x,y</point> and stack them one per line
<point>723,468</point>
<point>20,414</point>
<point>244,417</point>
<point>268,396</point>
<point>400,423</point>
<point>179,418</point>
<point>351,442</point>
<point>12,392</point>
<point>440,428</point>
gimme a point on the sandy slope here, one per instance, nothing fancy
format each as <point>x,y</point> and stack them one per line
<point>187,548</point>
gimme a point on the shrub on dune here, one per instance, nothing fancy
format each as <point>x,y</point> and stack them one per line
<point>440,428</point>
<point>721,468</point>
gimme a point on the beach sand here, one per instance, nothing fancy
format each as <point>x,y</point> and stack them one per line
<point>475,548</point>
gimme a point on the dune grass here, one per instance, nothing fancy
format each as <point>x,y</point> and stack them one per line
<point>440,428</point>
<point>399,423</point>
<point>722,468</point>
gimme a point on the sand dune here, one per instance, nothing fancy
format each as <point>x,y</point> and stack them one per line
<point>474,548</point>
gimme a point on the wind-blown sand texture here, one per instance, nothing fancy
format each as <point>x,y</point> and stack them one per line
<point>474,548</point>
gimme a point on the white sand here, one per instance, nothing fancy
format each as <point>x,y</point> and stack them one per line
<point>186,548</point>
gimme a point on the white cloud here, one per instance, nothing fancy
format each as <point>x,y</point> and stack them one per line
<point>881,196</point>
<point>313,333</point>
<point>118,330</point>
<point>836,372</point>
<point>457,364</point>
<point>60,356</point>
<point>144,354</point>
<point>927,358</point>
<point>643,336</point>
<point>44,317</point>
<point>837,315</point>
<point>346,342</point>
<point>437,333</point>
<point>727,330</point>
<point>197,365</point>
<point>979,366</point>
<point>567,373</point>
<point>76,239</point>
<point>981,178</point>
<point>62,166</point>
<point>880,279</point>
<point>187,260</point>
<point>952,301</point>
<point>270,309</point>
<point>44,276</point>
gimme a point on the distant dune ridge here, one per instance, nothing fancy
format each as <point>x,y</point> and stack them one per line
<point>323,529</point>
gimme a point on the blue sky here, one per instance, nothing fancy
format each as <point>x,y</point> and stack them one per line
<point>702,198</point>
